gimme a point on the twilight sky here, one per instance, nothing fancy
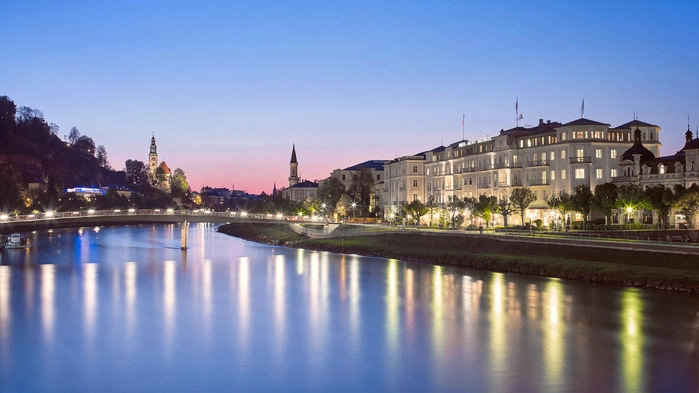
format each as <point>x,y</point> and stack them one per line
<point>227,87</point>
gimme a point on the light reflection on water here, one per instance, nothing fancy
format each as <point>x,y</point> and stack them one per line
<point>124,309</point>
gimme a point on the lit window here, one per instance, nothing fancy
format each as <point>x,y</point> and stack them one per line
<point>599,173</point>
<point>612,172</point>
<point>612,153</point>
<point>553,175</point>
<point>580,173</point>
<point>563,154</point>
<point>552,156</point>
<point>563,174</point>
<point>661,168</point>
<point>598,153</point>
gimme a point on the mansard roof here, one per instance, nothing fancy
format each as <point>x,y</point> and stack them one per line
<point>376,165</point>
<point>638,148</point>
<point>584,122</point>
<point>691,145</point>
<point>633,124</point>
<point>541,128</point>
<point>305,184</point>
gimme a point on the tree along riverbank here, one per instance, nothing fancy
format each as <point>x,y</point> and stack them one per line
<point>595,264</point>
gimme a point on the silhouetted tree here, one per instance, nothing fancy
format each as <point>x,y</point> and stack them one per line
<point>661,200</point>
<point>605,199</point>
<point>8,111</point>
<point>85,144</point>
<point>360,190</point>
<point>521,198</point>
<point>581,201</point>
<point>10,198</point>
<point>73,135</point>
<point>329,192</point>
<point>102,157</point>
<point>136,172</point>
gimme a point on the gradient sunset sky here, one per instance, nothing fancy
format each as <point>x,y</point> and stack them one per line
<point>228,87</point>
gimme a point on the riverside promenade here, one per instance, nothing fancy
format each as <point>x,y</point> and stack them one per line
<point>684,242</point>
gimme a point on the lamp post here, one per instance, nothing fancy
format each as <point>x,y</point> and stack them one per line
<point>354,206</point>
<point>629,211</point>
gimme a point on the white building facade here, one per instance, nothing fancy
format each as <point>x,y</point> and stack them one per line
<point>548,159</point>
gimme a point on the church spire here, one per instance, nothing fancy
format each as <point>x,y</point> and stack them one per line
<point>293,154</point>
<point>293,167</point>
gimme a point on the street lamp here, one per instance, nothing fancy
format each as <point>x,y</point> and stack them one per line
<point>354,206</point>
<point>629,211</point>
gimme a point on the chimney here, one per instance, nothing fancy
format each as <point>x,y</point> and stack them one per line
<point>541,121</point>
<point>548,121</point>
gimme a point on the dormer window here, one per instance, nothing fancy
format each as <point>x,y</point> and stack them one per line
<point>661,168</point>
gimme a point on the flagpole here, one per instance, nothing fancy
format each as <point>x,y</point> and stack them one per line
<point>516,112</point>
<point>463,130</point>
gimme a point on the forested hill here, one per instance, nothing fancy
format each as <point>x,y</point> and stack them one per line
<point>32,152</point>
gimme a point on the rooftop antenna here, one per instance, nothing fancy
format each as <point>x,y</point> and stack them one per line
<point>516,112</point>
<point>463,122</point>
<point>582,109</point>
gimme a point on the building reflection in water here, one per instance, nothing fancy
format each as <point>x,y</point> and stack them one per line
<point>48,301</point>
<point>631,338</point>
<point>392,324</point>
<point>169,302</point>
<point>130,287</point>
<point>437,305</point>
<point>498,330</point>
<point>354,304</point>
<point>89,275</point>
<point>554,330</point>
<point>244,302</point>
<point>279,303</point>
<point>5,308</point>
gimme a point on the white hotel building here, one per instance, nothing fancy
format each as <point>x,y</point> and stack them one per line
<point>548,158</point>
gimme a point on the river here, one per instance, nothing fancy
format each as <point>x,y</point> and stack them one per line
<point>116,309</point>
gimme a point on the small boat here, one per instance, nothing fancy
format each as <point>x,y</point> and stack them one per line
<point>15,240</point>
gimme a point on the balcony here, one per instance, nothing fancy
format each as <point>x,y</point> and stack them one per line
<point>581,160</point>
<point>538,163</point>
<point>538,182</point>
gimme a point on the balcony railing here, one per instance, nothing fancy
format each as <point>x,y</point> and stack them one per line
<point>538,163</point>
<point>581,160</point>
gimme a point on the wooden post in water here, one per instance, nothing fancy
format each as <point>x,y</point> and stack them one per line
<point>184,235</point>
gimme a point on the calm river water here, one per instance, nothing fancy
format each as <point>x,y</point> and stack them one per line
<point>119,309</point>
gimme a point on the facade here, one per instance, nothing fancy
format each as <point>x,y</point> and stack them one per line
<point>300,191</point>
<point>548,159</point>
<point>639,166</point>
<point>352,174</point>
<point>404,181</point>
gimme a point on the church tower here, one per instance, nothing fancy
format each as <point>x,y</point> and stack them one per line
<point>293,168</point>
<point>152,158</point>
